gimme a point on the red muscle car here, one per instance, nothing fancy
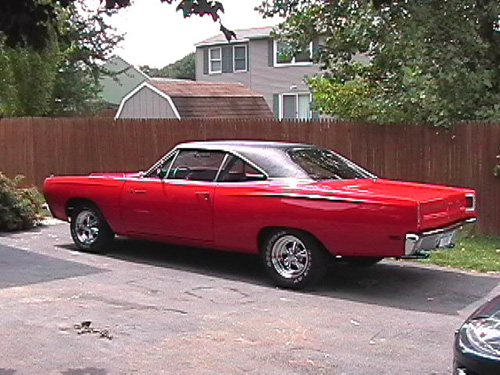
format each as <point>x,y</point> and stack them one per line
<point>297,205</point>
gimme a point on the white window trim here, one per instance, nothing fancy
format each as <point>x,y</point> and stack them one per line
<point>210,71</point>
<point>292,63</point>
<point>246,58</point>
<point>296,94</point>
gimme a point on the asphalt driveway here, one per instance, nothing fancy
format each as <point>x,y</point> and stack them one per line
<point>172,310</point>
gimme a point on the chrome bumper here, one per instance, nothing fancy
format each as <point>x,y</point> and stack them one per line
<point>419,245</point>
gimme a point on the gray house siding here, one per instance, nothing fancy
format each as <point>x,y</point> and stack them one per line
<point>145,104</point>
<point>261,77</point>
<point>270,80</point>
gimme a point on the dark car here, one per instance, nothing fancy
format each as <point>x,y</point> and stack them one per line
<point>477,342</point>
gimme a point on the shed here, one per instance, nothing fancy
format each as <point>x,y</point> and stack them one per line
<point>182,99</point>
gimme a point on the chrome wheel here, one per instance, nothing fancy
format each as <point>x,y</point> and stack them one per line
<point>290,257</point>
<point>87,227</point>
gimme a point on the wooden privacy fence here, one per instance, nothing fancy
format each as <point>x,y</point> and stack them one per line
<point>463,156</point>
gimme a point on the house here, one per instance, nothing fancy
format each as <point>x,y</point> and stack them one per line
<point>261,64</point>
<point>125,77</point>
<point>181,99</point>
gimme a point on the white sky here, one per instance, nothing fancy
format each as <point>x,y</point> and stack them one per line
<point>157,35</point>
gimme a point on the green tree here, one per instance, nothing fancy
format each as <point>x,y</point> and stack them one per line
<point>429,61</point>
<point>181,69</point>
<point>29,23</point>
<point>62,78</point>
<point>86,42</point>
<point>27,79</point>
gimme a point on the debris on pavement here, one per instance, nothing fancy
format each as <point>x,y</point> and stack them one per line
<point>86,327</point>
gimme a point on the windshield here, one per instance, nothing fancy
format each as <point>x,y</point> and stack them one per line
<point>322,164</point>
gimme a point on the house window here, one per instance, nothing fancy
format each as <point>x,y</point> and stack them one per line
<point>240,58</point>
<point>295,106</point>
<point>215,60</point>
<point>283,55</point>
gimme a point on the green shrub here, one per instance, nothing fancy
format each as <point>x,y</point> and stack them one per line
<point>20,208</point>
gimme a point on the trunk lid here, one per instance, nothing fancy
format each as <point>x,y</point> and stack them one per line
<point>437,205</point>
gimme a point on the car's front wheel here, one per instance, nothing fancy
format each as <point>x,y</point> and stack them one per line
<point>89,229</point>
<point>293,259</point>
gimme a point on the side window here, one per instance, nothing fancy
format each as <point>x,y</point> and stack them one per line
<point>236,170</point>
<point>196,165</point>
<point>162,168</point>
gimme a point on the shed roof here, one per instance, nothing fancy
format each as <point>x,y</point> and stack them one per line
<point>222,107</point>
<point>203,89</point>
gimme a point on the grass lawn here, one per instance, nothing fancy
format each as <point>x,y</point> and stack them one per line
<point>479,253</point>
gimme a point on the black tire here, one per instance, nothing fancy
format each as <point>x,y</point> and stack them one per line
<point>363,261</point>
<point>89,229</point>
<point>280,252</point>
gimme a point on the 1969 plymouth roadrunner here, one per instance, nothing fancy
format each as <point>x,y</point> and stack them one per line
<point>295,204</point>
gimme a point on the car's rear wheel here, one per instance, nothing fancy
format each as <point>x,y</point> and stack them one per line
<point>294,259</point>
<point>89,229</point>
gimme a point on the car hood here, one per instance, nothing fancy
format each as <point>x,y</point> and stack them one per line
<point>490,308</point>
<point>477,342</point>
<point>115,174</point>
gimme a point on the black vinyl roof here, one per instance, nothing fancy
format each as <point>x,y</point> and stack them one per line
<point>240,145</point>
<point>269,156</point>
<point>274,158</point>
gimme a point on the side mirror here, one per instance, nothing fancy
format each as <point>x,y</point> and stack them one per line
<point>161,173</point>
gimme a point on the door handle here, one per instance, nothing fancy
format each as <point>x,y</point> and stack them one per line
<point>177,183</point>
<point>204,194</point>
<point>133,191</point>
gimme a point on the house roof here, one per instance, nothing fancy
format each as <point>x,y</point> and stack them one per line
<point>126,77</point>
<point>116,58</point>
<point>242,35</point>
<point>203,89</point>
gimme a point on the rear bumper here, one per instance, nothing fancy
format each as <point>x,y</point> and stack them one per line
<point>418,245</point>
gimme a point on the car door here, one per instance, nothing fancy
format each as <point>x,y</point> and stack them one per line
<point>143,205</point>
<point>238,212</point>
<point>188,192</point>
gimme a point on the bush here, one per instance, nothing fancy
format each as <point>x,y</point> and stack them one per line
<point>20,208</point>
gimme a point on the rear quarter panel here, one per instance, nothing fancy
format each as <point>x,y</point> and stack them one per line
<point>102,191</point>
<point>350,227</point>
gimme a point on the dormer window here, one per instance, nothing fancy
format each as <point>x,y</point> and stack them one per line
<point>215,55</point>
<point>283,55</point>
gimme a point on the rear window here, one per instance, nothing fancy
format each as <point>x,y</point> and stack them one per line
<point>322,164</point>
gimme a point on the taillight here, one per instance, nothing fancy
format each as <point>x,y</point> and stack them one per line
<point>470,202</point>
